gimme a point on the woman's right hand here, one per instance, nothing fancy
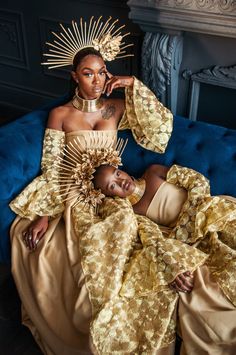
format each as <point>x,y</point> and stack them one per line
<point>183,282</point>
<point>35,232</point>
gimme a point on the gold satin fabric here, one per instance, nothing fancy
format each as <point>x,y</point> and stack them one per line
<point>166,204</point>
<point>206,318</point>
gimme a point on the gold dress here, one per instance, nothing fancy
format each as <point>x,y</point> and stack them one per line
<point>206,317</point>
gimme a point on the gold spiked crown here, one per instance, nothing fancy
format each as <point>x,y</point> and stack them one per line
<point>101,36</point>
<point>77,167</point>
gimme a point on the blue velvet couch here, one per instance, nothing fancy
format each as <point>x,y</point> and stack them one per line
<point>207,148</point>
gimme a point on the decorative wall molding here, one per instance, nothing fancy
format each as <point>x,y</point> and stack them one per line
<point>161,59</point>
<point>26,89</point>
<point>216,6</point>
<point>109,3</point>
<point>13,50</point>
<point>217,75</point>
<point>16,100</point>
<point>215,17</point>
<point>46,26</point>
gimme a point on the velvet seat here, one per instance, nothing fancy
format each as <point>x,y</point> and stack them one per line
<point>208,148</point>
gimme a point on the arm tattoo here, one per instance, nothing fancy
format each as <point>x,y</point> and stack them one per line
<point>108,112</point>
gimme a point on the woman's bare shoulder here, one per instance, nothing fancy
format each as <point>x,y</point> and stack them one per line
<point>157,169</point>
<point>57,116</point>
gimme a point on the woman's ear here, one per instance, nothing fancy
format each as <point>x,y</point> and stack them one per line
<point>74,76</point>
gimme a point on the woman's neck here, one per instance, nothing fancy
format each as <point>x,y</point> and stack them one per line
<point>139,190</point>
<point>86,105</point>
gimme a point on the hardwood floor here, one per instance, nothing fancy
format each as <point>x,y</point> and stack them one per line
<point>15,339</point>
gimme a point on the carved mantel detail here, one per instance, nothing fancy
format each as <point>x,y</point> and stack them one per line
<point>215,17</point>
<point>216,6</point>
<point>217,75</point>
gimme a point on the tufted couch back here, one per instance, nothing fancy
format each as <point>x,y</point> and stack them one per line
<point>207,148</point>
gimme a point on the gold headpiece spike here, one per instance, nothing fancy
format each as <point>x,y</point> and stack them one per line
<point>71,156</point>
<point>94,31</point>
<point>85,32</point>
<point>105,27</point>
<point>89,29</point>
<point>123,148</point>
<point>81,30</point>
<point>68,45</point>
<point>71,40</point>
<point>112,25</point>
<point>118,144</point>
<point>110,29</point>
<point>59,47</point>
<point>64,167</point>
<point>66,162</point>
<point>118,29</point>
<point>77,32</point>
<point>59,55</point>
<point>127,45</point>
<point>125,56</point>
<point>126,34</point>
<point>77,142</point>
<point>98,29</point>
<point>74,150</point>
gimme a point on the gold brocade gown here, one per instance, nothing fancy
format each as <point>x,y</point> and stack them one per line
<point>206,317</point>
<point>50,280</point>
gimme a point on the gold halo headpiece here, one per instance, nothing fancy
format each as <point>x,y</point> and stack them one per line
<point>78,165</point>
<point>101,36</point>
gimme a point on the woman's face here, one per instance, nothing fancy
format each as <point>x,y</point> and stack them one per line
<point>90,75</point>
<point>114,182</point>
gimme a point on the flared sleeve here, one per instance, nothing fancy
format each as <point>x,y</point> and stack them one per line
<point>194,182</point>
<point>41,196</point>
<point>159,261</point>
<point>191,219</point>
<point>151,123</point>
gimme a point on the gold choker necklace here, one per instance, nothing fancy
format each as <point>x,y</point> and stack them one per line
<point>86,105</point>
<point>137,194</point>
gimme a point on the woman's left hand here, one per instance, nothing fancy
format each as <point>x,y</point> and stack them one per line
<point>115,82</point>
<point>183,282</point>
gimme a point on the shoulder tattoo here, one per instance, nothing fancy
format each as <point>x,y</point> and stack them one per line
<point>108,111</point>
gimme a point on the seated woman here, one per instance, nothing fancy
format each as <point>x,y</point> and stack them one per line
<point>64,289</point>
<point>179,199</point>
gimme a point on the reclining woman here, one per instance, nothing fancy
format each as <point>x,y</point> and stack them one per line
<point>178,200</point>
<point>61,292</point>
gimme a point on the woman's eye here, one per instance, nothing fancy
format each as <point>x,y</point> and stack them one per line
<point>103,73</point>
<point>112,186</point>
<point>88,74</point>
<point>118,173</point>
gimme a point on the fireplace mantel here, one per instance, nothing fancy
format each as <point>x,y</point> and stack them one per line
<point>214,17</point>
<point>188,36</point>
